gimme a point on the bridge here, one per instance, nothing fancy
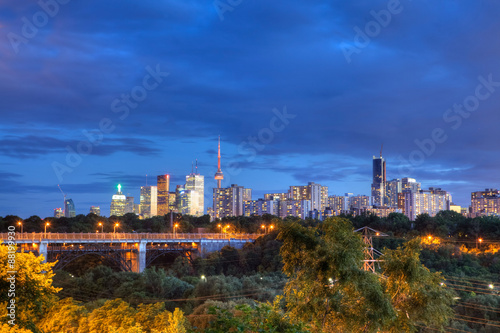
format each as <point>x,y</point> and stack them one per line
<point>130,251</point>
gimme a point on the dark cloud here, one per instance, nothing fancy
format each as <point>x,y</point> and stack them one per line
<point>31,146</point>
<point>227,76</point>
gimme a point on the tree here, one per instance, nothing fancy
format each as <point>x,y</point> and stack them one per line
<point>327,285</point>
<point>328,288</point>
<point>29,281</point>
<point>417,295</point>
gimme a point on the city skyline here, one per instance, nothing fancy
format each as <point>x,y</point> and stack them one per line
<point>104,93</point>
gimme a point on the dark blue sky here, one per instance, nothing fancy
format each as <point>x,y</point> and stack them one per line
<point>66,75</point>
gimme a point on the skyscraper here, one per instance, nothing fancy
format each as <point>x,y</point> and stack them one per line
<point>129,205</point>
<point>58,212</point>
<point>147,205</point>
<point>69,208</point>
<point>229,201</point>
<point>163,185</point>
<point>95,210</point>
<point>392,189</point>
<point>219,176</point>
<point>118,203</point>
<point>379,181</point>
<point>196,183</point>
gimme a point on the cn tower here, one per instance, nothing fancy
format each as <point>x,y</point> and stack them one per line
<point>219,176</point>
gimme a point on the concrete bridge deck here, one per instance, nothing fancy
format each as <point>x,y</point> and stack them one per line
<point>130,249</point>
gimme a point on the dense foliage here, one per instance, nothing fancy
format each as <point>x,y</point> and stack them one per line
<point>258,289</point>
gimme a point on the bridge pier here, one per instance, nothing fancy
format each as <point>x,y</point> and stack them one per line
<point>42,249</point>
<point>141,256</point>
<point>138,259</point>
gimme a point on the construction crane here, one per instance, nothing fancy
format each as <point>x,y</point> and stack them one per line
<point>64,202</point>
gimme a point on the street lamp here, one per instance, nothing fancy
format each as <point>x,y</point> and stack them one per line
<point>21,225</point>
<point>220,227</point>
<point>175,227</point>
<point>102,226</point>
<point>264,228</point>
<point>272,227</point>
<point>116,225</point>
<point>480,240</point>
<point>47,224</point>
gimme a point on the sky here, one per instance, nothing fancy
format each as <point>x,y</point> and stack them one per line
<point>97,93</point>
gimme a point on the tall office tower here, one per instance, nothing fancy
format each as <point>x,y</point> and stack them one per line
<point>229,201</point>
<point>187,200</point>
<point>359,202</point>
<point>95,210</point>
<point>485,203</point>
<point>296,208</point>
<point>317,194</point>
<point>69,208</point>
<point>118,203</point>
<point>378,182</point>
<point>276,196</point>
<point>145,202</point>
<point>219,176</point>
<point>163,185</point>
<point>260,207</point>
<point>173,201</point>
<point>410,184</point>
<point>58,212</point>
<point>429,201</point>
<point>154,201</point>
<point>129,205</point>
<point>392,189</point>
<point>196,182</point>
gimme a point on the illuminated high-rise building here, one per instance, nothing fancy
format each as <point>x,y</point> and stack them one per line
<point>392,189</point>
<point>276,196</point>
<point>430,201</point>
<point>229,201</point>
<point>379,181</point>
<point>219,176</point>
<point>173,200</point>
<point>58,212</point>
<point>315,193</point>
<point>260,207</point>
<point>118,203</point>
<point>196,183</point>
<point>69,208</point>
<point>147,205</point>
<point>129,205</point>
<point>163,186</point>
<point>296,208</point>
<point>485,203</point>
<point>95,210</point>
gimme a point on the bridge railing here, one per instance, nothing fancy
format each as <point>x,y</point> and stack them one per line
<point>125,236</point>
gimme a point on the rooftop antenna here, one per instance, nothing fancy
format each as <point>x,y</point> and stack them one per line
<point>146,180</point>
<point>192,167</point>
<point>196,166</point>
<point>381,149</point>
<point>64,203</point>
